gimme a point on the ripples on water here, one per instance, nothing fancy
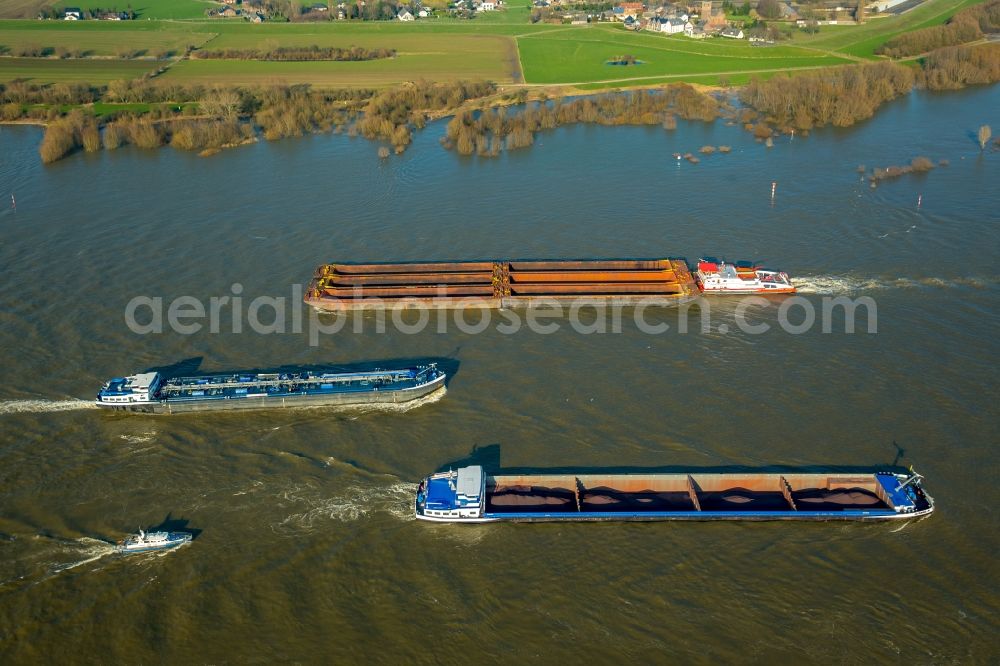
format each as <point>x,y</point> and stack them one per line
<point>353,503</point>
<point>309,551</point>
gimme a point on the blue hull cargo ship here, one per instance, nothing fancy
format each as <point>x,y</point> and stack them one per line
<point>468,495</point>
<point>152,393</point>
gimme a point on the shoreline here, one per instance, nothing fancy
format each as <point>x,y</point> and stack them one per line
<point>486,118</point>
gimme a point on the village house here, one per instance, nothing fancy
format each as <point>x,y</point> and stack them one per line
<point>228,12</point>
<point>732,33</point>
<point>72,14</point>
<point>318,7</point>
<point>627,10</point>
<point>256,18</point>
<point>404,15</point>
<point>669,26</point>
<point>487,6</point>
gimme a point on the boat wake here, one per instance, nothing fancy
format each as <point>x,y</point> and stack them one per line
<point>390,407</point>
<point>43,406</point>
<point>89,549</point>
<point>39,558</point>
<point>139,438</point>
<point>352,504</point>
<point>843,285</point>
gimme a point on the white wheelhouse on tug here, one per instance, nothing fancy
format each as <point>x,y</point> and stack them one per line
<point>720,277</point>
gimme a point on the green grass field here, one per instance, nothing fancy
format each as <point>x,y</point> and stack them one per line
<point>467,57</point>
<point>488,47</point>
<point>581,56</point>
<point>44,70</point>
<point>171,9</point>
<point>110,39</point>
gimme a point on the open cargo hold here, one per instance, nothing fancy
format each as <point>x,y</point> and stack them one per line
<point>469,495</point>
<point>495,284</point>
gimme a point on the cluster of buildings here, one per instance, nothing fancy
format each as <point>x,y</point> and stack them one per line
<point>77,14</point>
<point>705,17</point>
<point>694,19</point>
<point>251,10</point>
<point>697,20</point>
<point>701,18</point>
<point>256,11</point>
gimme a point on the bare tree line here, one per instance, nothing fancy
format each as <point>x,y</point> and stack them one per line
<point>842,96</point>
<point>488,132</point>
<point>297,53</point>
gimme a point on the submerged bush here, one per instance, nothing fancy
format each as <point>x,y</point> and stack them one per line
<point>57,142</point>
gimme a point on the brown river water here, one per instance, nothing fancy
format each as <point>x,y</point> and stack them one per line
<point>306,548</point>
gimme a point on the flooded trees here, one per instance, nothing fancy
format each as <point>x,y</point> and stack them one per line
<point>838,96</point>
<point>485,133</point>
<point>959,66</point>
<point>63,136</point>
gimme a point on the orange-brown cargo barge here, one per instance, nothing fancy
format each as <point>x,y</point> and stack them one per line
<point>502,283</point>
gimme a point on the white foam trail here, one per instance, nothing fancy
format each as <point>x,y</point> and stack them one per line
<point>377,407</point>
<point>92,550</point>
<point>139,438</point>
<point>42,406</point>
<point>386,407</point>
<point>354,503</point>
<point>849,284</point>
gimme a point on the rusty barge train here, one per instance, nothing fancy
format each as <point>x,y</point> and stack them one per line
<point>469,495</point>
<point>499,284</point>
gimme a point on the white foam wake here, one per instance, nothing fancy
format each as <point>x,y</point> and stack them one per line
<point>55,555</point>
<point>352,504</point>
<point>382,407</point>
<point>42,406</point>
<point>847,284</point>
<point>139,438</point>
<point>90,550</point>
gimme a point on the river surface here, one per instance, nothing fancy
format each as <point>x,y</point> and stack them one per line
<point>306,547</point>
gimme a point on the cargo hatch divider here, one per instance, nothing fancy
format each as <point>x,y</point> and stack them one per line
<point>693,493</point>
<point>786,490</point>
<point>576,493</point>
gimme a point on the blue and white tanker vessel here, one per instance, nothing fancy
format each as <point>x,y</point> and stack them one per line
<point>153,393</point>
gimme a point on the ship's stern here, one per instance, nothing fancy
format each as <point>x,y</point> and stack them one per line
<point>452,496</point>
